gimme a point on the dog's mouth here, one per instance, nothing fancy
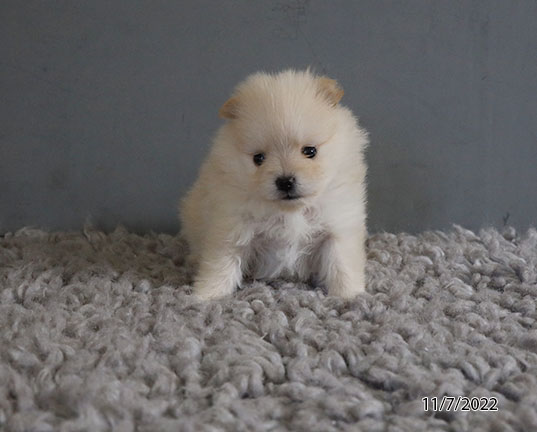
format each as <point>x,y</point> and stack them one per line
<point>289,196</point>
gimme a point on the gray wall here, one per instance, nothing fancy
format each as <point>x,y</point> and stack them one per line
<point>107,107</point>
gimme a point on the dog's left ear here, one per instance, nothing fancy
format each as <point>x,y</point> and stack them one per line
<point>230,109</point>
<point>330,90</point>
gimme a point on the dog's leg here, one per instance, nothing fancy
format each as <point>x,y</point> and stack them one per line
<point>219,273</point>
<point>342,266</point>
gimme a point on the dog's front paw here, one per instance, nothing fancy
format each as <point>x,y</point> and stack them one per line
<point>206,291</point>
<point>346,292</point>
<point>347,289</point>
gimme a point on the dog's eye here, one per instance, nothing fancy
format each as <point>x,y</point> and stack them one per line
<point>259,158</point>
<point>309,152</point>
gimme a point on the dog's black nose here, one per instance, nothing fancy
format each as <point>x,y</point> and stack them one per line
<point>285,183</point>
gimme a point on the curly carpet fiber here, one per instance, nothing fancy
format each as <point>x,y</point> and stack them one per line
<point>98,332</point>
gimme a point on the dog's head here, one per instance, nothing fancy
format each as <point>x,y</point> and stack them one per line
<point>281,129</point>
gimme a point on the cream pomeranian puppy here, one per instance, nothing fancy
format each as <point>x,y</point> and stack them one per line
<point>282,192</point>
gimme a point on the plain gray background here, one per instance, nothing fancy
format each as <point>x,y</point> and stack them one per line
<point>107,107</point>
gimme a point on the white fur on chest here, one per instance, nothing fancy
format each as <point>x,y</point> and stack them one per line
<point>283,245</point>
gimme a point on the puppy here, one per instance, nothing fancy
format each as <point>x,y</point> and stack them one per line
<point>282,192</point>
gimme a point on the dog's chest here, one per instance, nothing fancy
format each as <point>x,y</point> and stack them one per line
<point>284,245</point>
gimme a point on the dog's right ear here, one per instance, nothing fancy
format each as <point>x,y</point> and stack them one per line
<point>230,109</point>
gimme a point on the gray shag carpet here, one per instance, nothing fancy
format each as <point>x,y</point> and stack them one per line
<point>98,332</point>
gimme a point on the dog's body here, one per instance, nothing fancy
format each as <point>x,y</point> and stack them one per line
<point>282,192</point>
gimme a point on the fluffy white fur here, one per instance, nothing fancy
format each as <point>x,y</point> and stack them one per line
<point>234,218</point>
